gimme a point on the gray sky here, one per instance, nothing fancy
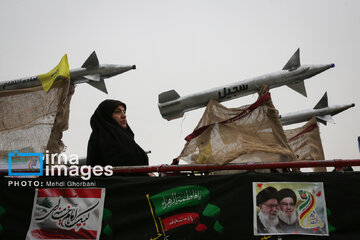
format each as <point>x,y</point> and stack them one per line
<point>188,46</point>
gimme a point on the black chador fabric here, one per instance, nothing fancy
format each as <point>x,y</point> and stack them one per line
<point>109,143</point>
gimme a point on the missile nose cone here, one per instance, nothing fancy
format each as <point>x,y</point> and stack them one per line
<point>133,67</point>
<point>332,65</point>
<point>353,105</point>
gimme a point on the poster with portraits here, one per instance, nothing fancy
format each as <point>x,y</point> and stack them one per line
<point>282,208</point>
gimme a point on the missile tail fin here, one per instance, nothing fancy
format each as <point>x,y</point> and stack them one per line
<point>99,85</point>
<point>294,61</point>
<point>92,61</point>
<point>323,103</point>
<point>324,119</point>
<point>298,87</point>
<point>93,77</point>
<point>168,96</point>
<point>321,121</point>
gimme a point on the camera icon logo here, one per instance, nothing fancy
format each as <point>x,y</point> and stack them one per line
<point>33,160</point>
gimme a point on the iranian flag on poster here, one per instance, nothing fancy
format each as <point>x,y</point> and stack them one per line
<point>67,213</point>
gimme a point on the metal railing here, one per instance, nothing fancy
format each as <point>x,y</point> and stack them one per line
<point>249,166</point>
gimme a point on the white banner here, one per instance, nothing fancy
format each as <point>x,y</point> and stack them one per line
<point>67,213</point>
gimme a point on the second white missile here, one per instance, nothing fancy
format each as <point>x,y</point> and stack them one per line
<point>322,111</point>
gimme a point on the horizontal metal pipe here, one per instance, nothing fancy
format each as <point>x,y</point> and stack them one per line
<point>250,166</point>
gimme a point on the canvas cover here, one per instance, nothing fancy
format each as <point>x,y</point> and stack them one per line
<point>250,133</point>
<point>306,143</point>
<point>32,120</point>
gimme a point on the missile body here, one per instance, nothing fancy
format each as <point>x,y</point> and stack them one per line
<point>172,106</point>
<point>322,111</point>
<point>91,72</point>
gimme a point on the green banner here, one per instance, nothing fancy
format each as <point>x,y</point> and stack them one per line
<point>179,197</point>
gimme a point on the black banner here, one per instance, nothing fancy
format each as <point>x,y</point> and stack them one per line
<point>177,207</point>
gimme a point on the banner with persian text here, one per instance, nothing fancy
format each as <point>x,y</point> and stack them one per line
<point>67,213</point>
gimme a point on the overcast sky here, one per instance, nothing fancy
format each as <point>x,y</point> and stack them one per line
<point>188,46</point>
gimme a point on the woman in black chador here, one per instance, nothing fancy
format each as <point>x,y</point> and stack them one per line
<point>112,141</point>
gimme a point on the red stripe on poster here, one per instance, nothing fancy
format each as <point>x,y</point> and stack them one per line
<point>309,208</point>
<point>179,220</point>
<point>70,192</point>
<point>55,233</point>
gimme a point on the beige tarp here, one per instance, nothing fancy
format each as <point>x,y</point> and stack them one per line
<point>32,120</point>
<point>250,133</point>
<point>306,143</point>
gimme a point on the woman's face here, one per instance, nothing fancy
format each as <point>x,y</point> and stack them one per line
<point>120,116</point>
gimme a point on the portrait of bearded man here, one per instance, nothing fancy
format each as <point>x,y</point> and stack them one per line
<point>288,218</point>
<point>267,218</point>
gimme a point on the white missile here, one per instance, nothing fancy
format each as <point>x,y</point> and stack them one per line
<point>172,106</point>
<point>322,111</point>
<point>91,72</point>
